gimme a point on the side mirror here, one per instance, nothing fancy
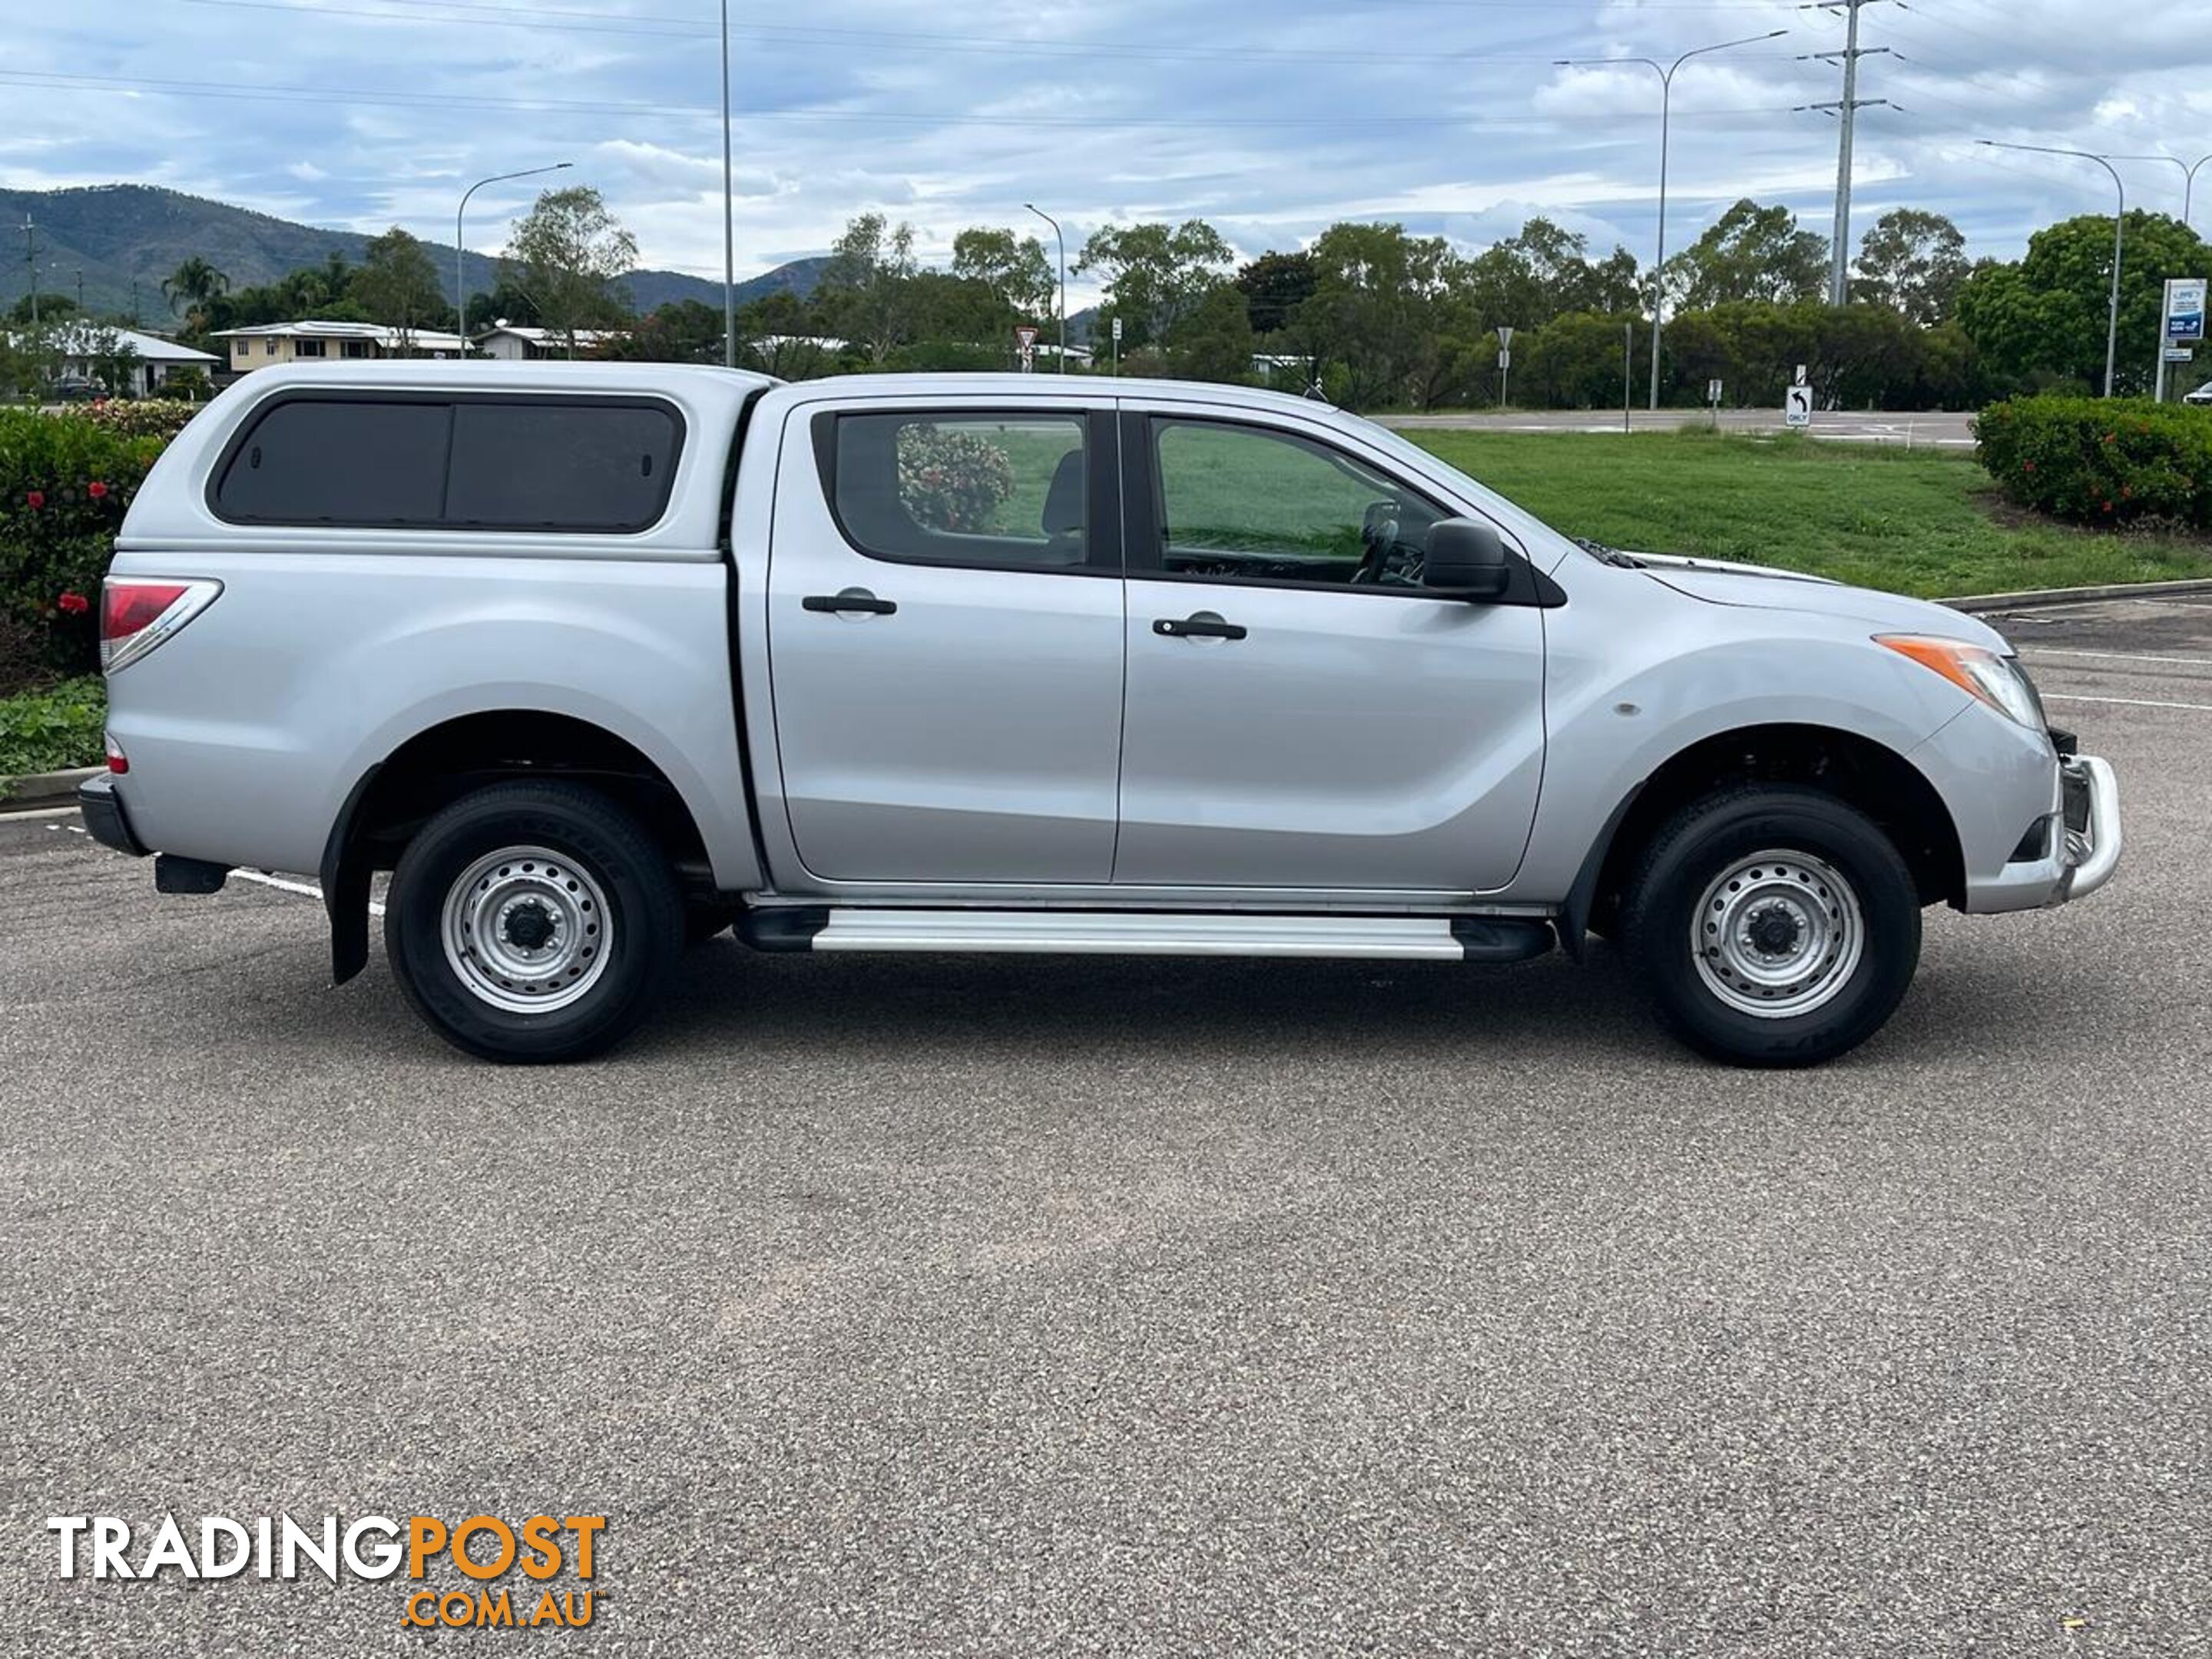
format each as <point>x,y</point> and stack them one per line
<point>1466,559</point>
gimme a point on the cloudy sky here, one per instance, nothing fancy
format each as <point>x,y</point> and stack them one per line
<point>1270,118</point>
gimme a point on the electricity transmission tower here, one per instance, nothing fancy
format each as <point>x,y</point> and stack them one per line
<point>1846,112</point>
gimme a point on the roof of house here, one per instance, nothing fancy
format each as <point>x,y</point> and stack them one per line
<point>78,340</point>
<point>314,328</point>
<point>541,336</point>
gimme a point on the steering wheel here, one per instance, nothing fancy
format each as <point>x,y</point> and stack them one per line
<point>1378,534</point>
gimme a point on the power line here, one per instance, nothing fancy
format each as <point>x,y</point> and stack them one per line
<point>467,14</point>
<point>1093,120</point>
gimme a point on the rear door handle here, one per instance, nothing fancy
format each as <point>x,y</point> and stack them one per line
<point>853,599</point>
<point>1203,626</point>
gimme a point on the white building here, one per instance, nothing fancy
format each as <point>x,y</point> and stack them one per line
<point>86,351</point>
<point>512,343</point>
<point>267,344</point>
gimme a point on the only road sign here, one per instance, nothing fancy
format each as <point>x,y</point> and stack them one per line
<point>1797,406</point>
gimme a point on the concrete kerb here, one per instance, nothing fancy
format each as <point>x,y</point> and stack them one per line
<point>2034,597</point>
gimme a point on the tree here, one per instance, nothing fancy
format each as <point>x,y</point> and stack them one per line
<point>683,332</point>
<point>2041,322</point>
<point>1912,262</point>
<point>1382,308</point>
<point>48,307</point>
<point>1156,275</point>
<point>398,284</point>
<point>1214,341</point>
<point>868,292</point>
<point>1015,270</point>
<point>190,288</point>
<point>1753,253</point>
<point>1274,286</point>
<point>568,255</point>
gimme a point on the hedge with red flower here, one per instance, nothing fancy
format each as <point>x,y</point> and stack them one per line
<point>66,482</point>
<point>2102,463</point>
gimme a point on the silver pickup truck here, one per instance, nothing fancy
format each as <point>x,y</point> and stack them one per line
<point>596,660</point>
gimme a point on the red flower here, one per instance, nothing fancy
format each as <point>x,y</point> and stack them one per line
<point>95,489</point>
<point>2028,465</point>
<point>2108,506</point>
<point>75,604</point>
<point>2127,492</point>
<point>36,500</point>
<point>2111,436</point>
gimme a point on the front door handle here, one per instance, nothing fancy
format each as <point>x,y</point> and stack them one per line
<point>1203,626</point>
<point>853,600</point>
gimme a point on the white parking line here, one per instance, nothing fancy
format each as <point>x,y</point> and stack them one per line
<point>2132,703</point>
<point>2117,656</point>
<point>304,888</point>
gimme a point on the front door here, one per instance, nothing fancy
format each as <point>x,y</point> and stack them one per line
<point>1300,712</point>
<point>945,643</point>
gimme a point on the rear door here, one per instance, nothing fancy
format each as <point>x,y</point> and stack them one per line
<point>945,632</point>
<point>1301,713</point>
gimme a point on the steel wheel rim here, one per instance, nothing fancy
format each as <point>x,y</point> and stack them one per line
<point>1778,934</point>
<point>527,930</point>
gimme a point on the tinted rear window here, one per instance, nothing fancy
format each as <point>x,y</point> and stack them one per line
<point>308,462</point>
<point>562,466</point>
<point>550,464</point>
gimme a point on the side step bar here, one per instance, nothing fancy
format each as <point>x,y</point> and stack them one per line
<point>1094,933</point>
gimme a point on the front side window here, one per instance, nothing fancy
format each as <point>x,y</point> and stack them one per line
<point>1009,491</point>
<point>1242,503</point>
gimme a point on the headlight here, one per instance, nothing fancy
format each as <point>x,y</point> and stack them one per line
<point>1980,672</point>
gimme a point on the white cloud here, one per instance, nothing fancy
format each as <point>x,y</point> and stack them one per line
<point>1269,118</point>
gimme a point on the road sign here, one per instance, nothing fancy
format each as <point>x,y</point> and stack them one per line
<point>2180,354</point>
<point>2185,308</point>
<point>1797,406</point>
<point>1025,339</point>
<point>1505,339</point>
<point>1713,390</point>
<point>1804,377</point>
<point>1505,360</point>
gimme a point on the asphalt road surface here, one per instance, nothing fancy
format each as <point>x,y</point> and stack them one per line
<point>1004,1306</point>
<point>1935,431</point>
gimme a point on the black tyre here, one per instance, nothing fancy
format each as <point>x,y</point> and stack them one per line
<point>533,922</point>
<point>1772,926</point>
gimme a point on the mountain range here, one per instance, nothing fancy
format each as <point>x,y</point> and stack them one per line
<point>122,239</point>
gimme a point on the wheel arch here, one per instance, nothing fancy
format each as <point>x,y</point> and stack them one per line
<point>437,765</point>
<point>1868,775</point>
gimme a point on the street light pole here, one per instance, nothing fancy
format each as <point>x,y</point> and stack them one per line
<point>2188,176</point>
<point>1666,74</point>
<point>2119,241</point>
<point>729,213</point>
<point>460,246</point>
<point>1062,240</point>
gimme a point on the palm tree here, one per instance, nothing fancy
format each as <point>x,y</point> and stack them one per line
<point>195,283</point>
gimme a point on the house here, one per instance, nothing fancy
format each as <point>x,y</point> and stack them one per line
<point>512,342</point>
<point>85,353</point>
<point>267,344</point>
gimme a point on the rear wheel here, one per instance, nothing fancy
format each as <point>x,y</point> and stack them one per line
<point>533,922</point>
<point>1772,926</point>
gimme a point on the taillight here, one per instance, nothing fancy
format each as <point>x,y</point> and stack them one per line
<point>136,616</point>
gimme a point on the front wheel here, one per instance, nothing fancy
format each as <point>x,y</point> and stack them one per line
<point>1772,926</point>
<point>533,922</point>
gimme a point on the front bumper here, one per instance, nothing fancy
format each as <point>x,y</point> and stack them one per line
<point>104,819</point>
<point>2092,831</point>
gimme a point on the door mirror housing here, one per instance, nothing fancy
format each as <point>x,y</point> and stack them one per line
<point>1466,559</point>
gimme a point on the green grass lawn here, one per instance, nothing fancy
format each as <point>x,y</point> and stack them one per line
<point>1924,523</point>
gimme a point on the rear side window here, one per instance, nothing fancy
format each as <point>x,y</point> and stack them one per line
<point>966,489</point>
<point>309,462</point>
<point>580,466</point>
<point>560,467</point>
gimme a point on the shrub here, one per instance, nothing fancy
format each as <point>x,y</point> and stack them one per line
<point>53,730</point>
<point>65,482</point>
<point>952,481</point>
<point>2101,462</point>
<point>150,417</point>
